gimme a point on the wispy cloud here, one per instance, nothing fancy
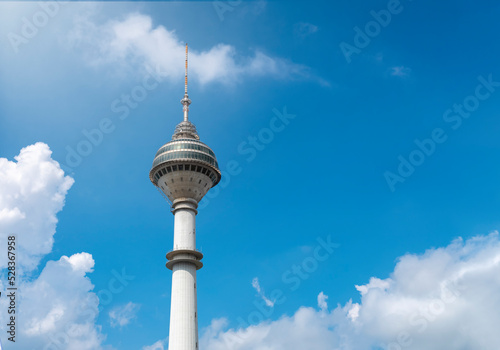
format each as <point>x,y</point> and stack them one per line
<point>400,71</point>
<point>322,304</point>
<point>260,292</point>
<point>136,42</point>
<point>303,29</point>
<point>121,316</point>
<point>159,345</point>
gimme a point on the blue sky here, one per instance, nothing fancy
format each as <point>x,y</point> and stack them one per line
<point>430,69</point>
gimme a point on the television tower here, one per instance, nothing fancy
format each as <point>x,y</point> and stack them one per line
<point>184,169</point>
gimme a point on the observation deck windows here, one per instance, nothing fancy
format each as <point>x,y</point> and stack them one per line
<point>186,167</point>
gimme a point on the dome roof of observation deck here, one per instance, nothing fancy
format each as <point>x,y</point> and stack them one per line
<point>183,151</point>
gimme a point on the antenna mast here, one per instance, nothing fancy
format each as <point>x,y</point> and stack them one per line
<point>186,101</point>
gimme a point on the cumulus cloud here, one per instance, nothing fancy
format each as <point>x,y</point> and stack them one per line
<point>58,309</point>
<point>121,316</point>
<point>33,190</point>
<point>260,292</point>
<point>443,299</point>
<point>136,42</point>
<point>306,329</point>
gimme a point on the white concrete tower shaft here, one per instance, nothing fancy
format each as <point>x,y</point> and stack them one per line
<point>183,333</point>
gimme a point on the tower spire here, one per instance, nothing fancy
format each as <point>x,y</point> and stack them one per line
<point>186,101</point>
<point>186,74</point>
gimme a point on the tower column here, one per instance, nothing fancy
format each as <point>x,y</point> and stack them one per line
<point>184,210</point>
<point>184,261</point>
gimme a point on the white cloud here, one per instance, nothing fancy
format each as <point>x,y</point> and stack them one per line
<point>256,285</point>
<point>33,189</point>
<point>322,304</point>
<point>375,283</point>
<point>159,345</point>
<point>58,310</point>
<point>122,315</point>
<point>306,329</point>
<point>136,42</point>
<point>400,71</point>
<point>445,298</point>
<point>9,215</point>
<point>353,312</point>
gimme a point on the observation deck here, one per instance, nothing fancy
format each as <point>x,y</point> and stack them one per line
<point>185,166</point>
